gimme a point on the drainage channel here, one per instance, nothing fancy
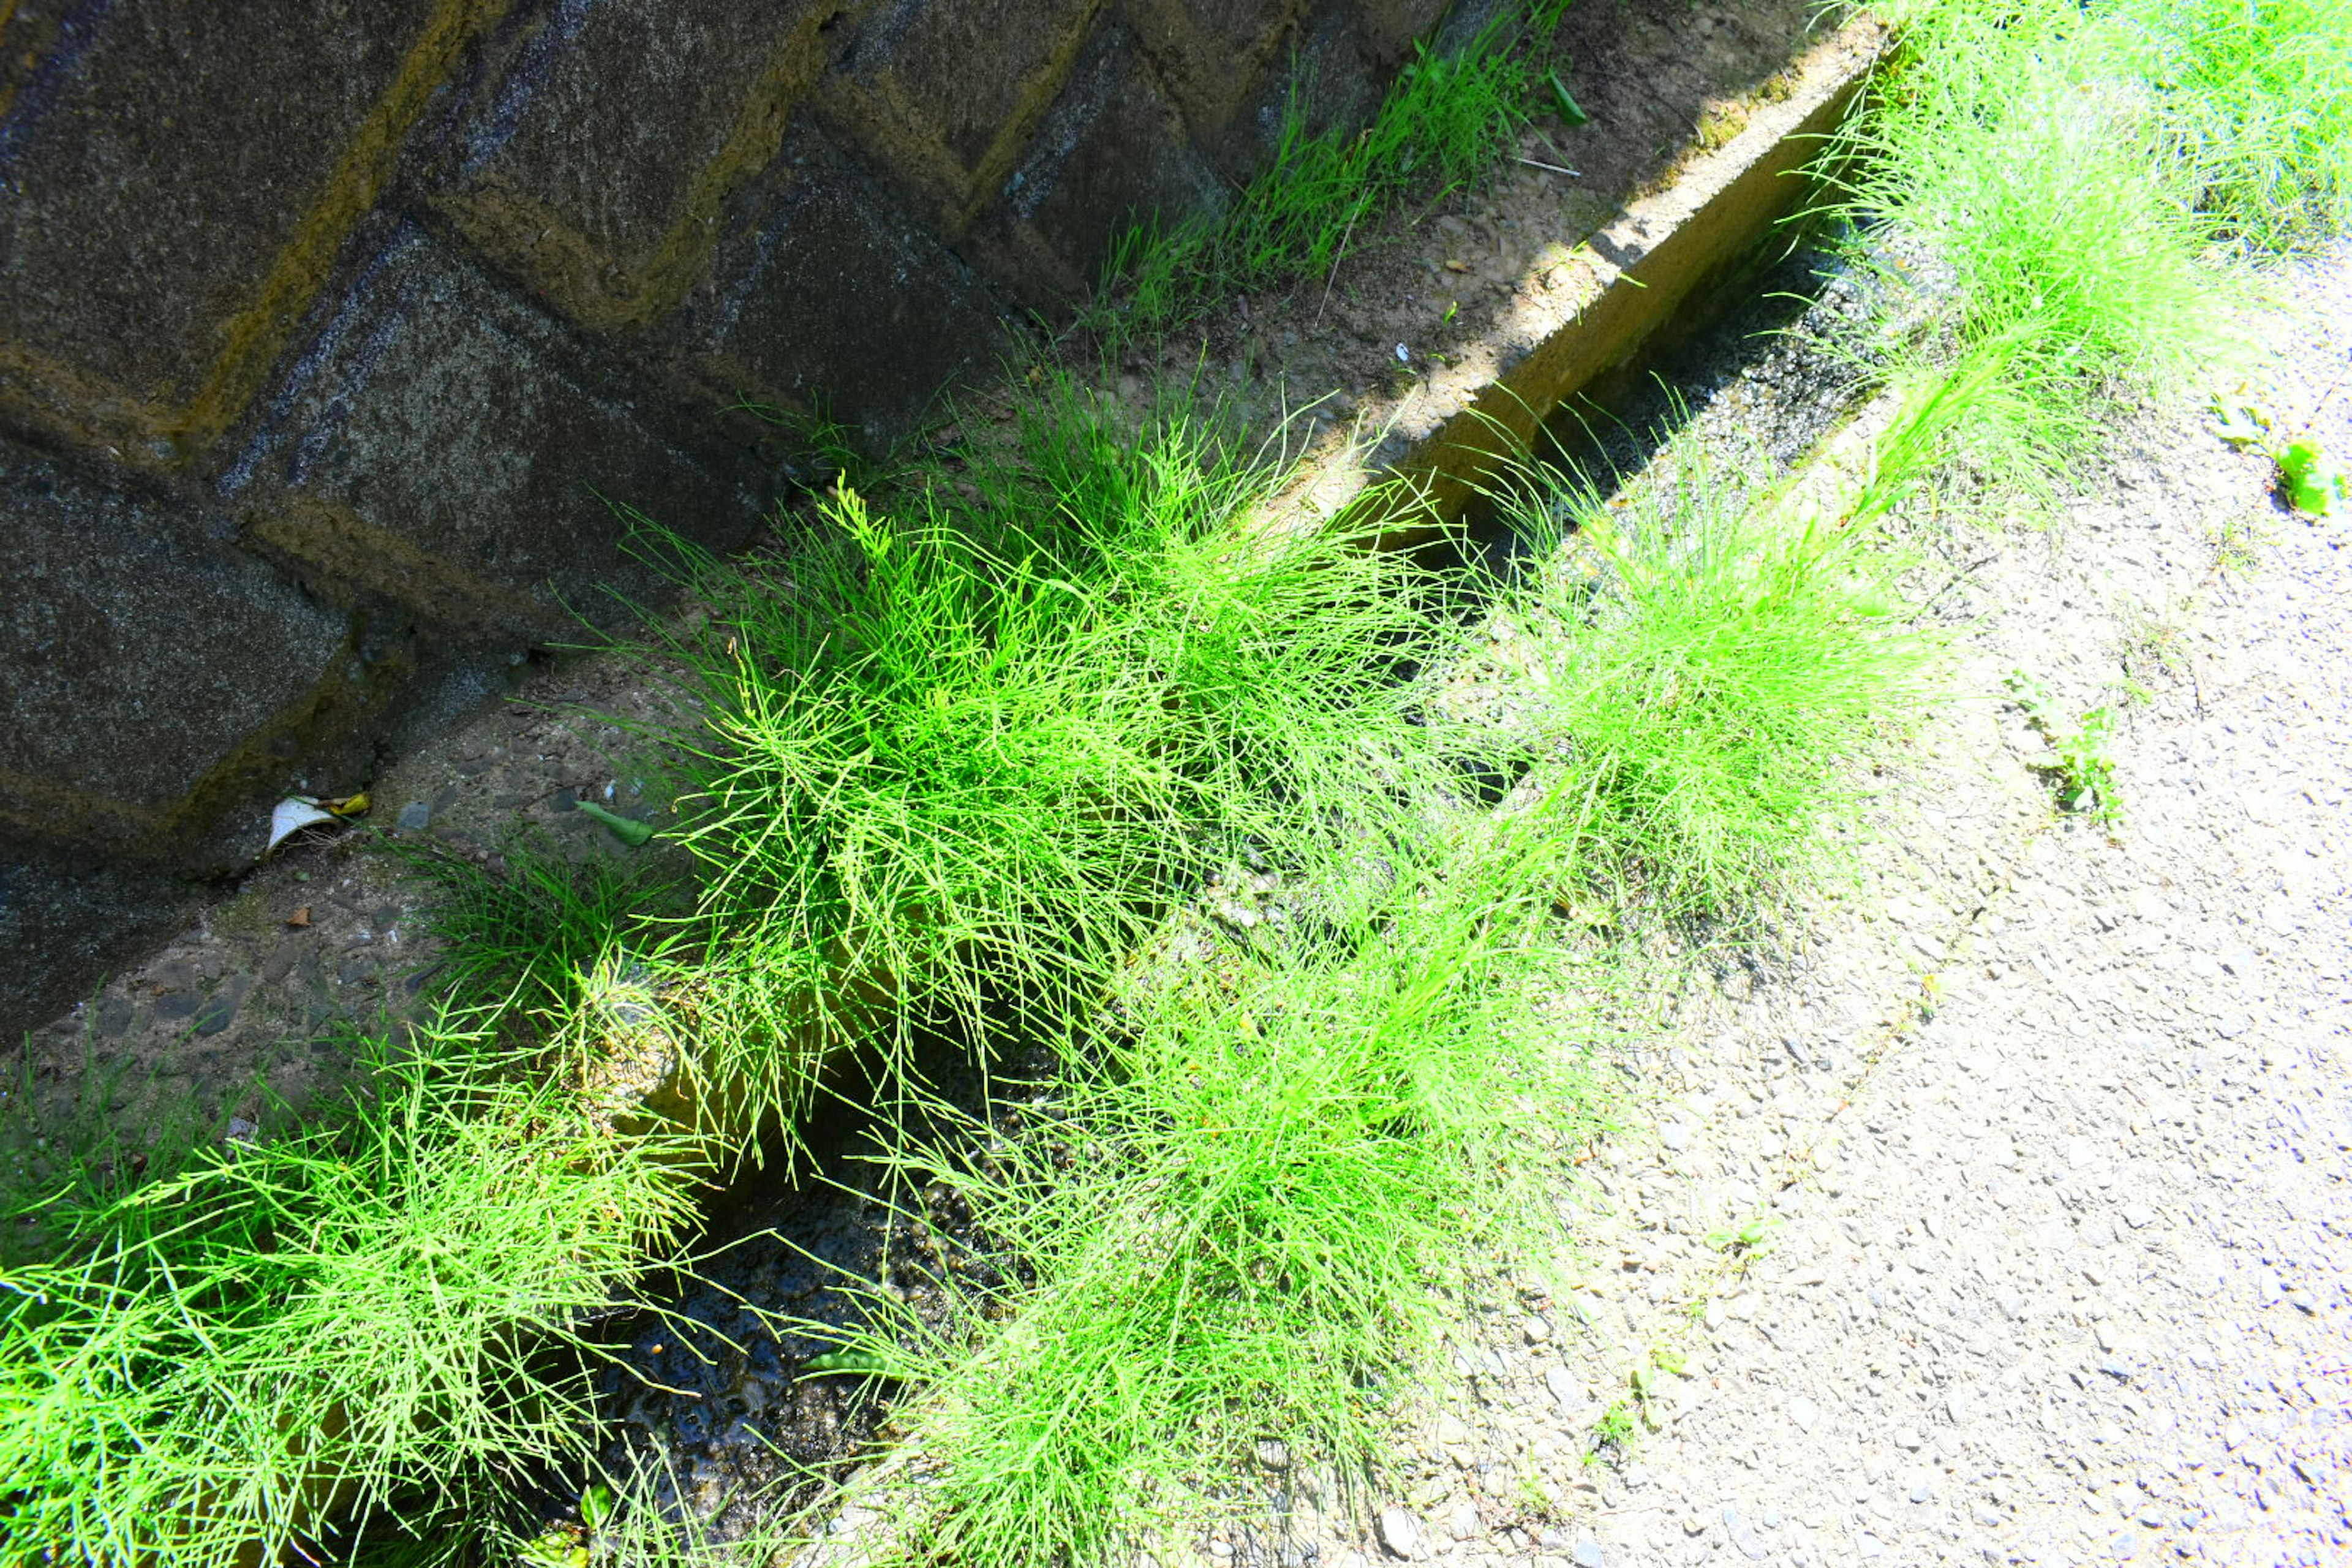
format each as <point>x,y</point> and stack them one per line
<point>706,1385</point>
<point>707,1390</point>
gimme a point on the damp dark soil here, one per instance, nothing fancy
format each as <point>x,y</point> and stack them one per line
<point>709,1389</point>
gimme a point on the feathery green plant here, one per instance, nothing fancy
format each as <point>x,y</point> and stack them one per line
<point>1447,121</point>
<point>954,758</point>
<point>2067,169</point>
<point>2260,94</point>
<point>530,924</point>
<point>2016,147</point>
<point>347,1319</point>
<point>1709,672</point>
<point>1240,1226</point>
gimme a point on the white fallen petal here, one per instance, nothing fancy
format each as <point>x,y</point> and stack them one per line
<point>291,815</point>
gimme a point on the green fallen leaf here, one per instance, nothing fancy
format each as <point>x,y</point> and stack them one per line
<point>632,834</point>
<point>865,1362</point>
<point>1569,110</point>
<point>2316,481</point>
<point>2243,423</point>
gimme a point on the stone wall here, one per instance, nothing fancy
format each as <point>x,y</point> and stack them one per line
<point>328,324</point>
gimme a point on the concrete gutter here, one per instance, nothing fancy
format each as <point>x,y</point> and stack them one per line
<point>1584,311</point>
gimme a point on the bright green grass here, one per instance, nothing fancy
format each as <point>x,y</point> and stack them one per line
<point>2261,94</point>
<point>1244,1213</point>
<point>1446,123</point>
<point>375,1315</point>
<point>1246,1224</point>
<point>1711,673</point>
<point>532,927</point>
<point>2071,169</point>
<point>955,756</point>
<point>2020,149</point>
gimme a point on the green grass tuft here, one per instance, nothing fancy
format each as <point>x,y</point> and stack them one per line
<point>1709,675</point>
<point>2067,170</point>
<point>2260,92</point>
<point>1444,124</point>
<point>1245,1225</point>
<point>352,1318</point>
<point>956,757</point>
<point>2016,147</point>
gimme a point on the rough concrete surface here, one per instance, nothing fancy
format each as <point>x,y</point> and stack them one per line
<point>2051,1126</point>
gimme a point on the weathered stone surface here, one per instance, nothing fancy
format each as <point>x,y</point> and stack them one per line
<point>147,662</point>
<point>1112,152</point>
<point>1210,52</point>
<point>596,163</point>
<point>329,328</point>
<point>177,176</point>
<point>64,918</point>
<point>829,295</point>
<point>1390,28</point>
<point>944,93</point>
<point>444,446</point>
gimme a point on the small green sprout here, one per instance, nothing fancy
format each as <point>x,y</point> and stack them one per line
<point>1616,1429</point>
<point>1752,1238</point>
<point>569,1545</point>
<point>2243,423</point>
<point>2079,763</point>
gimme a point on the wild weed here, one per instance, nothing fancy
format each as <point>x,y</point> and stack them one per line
<point>955,757</point>
<point>528,925</point>
<point>2258,93</point>
<point>1709,681</point>
<point>338,1319</point>
<point>1236,1229</point>
<point>1444,124</point>
<point>2080,765</point>
<point>2020,149</point>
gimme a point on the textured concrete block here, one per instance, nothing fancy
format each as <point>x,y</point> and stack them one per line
<point>178,173</point>
<point>1390,28</point>
<point>829,297</point>
<point>608,138</point>
<point>1331,75</point>
<point>65,919</point>
<point>444,446</point>
<point>943,94</point>
<point>1210,53</point>
<point>151,669</point>
<point>1112,152</point>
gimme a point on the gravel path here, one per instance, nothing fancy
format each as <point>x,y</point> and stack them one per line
<point>2053,1126</point>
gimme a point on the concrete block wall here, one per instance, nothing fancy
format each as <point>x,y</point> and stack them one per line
<point>325,324</point>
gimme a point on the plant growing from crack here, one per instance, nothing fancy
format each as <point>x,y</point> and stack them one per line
<point>1751,1238</point>
<point>2079,765</point>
